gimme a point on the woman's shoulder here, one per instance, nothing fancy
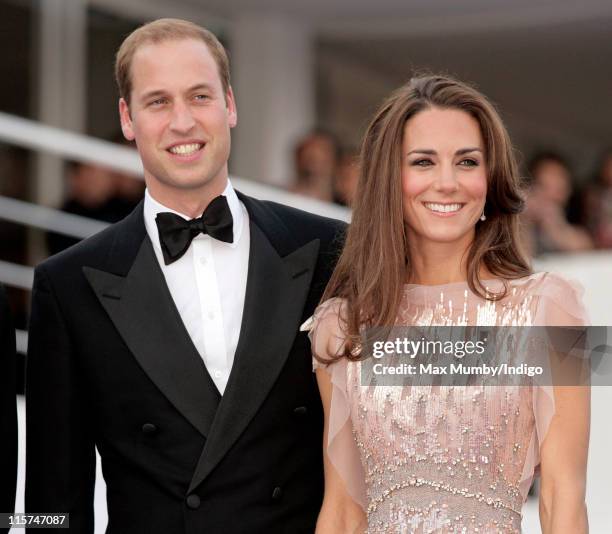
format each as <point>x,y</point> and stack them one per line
<point>330,311</point>
<point>548,284</point>
<point>554,298</point>
<point>327,329</point>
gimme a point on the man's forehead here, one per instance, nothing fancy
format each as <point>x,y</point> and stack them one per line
<point>187,61</point>
<point>171,43</point>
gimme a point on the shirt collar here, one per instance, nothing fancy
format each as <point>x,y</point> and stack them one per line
<point>152,207</point>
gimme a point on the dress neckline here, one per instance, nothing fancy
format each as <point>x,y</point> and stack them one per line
<point>492,283</point>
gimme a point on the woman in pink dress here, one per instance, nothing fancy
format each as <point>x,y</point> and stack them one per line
<point>434,241</point>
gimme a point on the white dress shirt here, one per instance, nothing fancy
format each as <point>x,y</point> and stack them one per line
<point>208,285</point>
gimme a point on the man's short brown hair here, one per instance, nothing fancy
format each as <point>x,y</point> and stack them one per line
<point>166,30</point>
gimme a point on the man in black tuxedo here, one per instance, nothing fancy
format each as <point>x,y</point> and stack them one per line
<point>8,410</point>
<point>170,340</point>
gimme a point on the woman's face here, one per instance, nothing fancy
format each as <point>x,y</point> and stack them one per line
<point>444,176</point>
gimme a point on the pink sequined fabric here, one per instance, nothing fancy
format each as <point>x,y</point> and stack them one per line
<point>444,459</point>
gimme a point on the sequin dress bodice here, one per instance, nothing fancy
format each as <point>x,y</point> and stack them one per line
<point>444,459</point>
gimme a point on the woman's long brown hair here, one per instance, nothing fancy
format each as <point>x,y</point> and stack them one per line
<point>375,262</point>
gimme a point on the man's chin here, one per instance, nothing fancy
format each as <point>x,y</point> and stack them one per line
<point>194,179</point>
<point>189,182</point>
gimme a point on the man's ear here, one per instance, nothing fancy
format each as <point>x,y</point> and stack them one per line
<point>126,120</point>
<point>231,108</point>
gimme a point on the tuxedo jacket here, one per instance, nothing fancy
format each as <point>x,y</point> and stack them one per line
<point>8,410</point>
<point>111,365</point>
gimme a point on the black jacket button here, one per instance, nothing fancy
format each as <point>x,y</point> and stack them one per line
<point>300,411</point>
<point>149,428</point>
<point>193,501</point>
<point>277,493</point>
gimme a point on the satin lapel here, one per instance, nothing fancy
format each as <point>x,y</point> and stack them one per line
<point>276,291</point>
<point>141,308</point>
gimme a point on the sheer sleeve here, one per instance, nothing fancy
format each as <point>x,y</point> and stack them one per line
<point>327,339</point>
<point>558,302</point>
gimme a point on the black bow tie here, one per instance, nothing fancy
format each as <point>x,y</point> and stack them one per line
<point>176,233</point>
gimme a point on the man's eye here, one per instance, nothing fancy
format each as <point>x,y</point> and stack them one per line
<point>468,162</point>
<point>201,97</point>
<point>157,102</point>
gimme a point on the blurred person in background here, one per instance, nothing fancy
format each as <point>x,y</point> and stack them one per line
<point>129,190</point>
<point>545,224</point>
<point>90,188</point>
<point>598,203</point>
<point>8,409</point>
<point>316,159</point>
<point>96,192</point>
<point>347,176</point>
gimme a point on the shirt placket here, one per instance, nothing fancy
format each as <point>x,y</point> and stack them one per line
<point>215,356</point>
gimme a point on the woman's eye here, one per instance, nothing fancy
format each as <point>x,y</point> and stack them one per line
<point>422,163</point>
<point>468,162</point>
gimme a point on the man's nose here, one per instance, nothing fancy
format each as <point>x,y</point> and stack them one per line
<point>182,118</point>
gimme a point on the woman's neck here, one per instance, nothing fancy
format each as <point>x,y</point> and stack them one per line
<point>435,263</point>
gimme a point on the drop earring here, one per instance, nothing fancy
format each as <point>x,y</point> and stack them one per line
<point>483,217</point>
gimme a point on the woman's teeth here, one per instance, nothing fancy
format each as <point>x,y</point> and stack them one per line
<point>443,208</point>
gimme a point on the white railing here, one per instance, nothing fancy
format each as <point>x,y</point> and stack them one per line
<point>68,145</point>
<point>22,341</point>
<point>48,219</point>
<point>15,275</point>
